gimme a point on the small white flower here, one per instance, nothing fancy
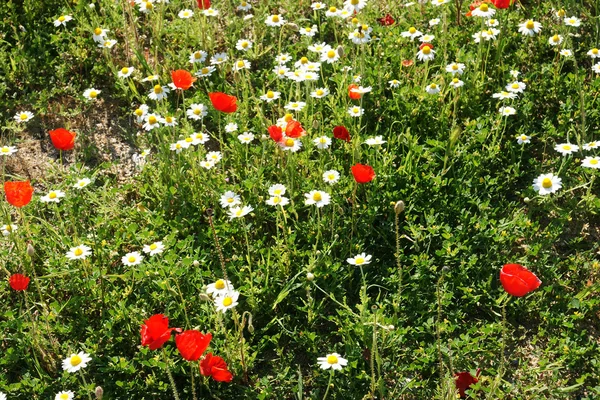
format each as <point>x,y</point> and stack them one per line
<point>91,94</point>
<point>507,111</point>
<point>210,12</point>
<point>53,196</point>
<point>246,137</point>
<point>229,199</point>
<point>277,201</point>
<point>227,300</point>
<point>456,83</point>
<point>23,116</point>
<point>317,197</point>
<point>530,27</point>
<point>239,212</point>
<point>154,248</point>
<point>219,58</point>
<point>360,259</point>
<point>68,395</point>
<point>516,87</point>
<point>270,96</point>
<point>504,95</point>
<point>566,148</point>
<point>523,139</point>
<point>196,111</point>
<point>555,40</point>
<point>355,111</point>
<point>319,93</point>
<point>455,68</point>
<point>198,57</point>
<point>432,88</point>
<point>231,127</point>
<point>159,92</point>
<point>275,20</point>
<point>133,258</point>
<point>219,288</point>
<point>207,164</point>
<point>295,106</point>
<point>185,14</point>
<point>333,360</point>
<point>79,252</point>
<point>434,22</point>
<point>547,184</point>
<point>62,20</point>
<point>125,72</point>
<point>566,53</point>
<point>214,156</point>
<point>394,83</point>
<point>426,53</point>
<point>243,45</point>
<point>591,145</point>
<point>591,162</point>
<point>76,362</point>
<point>331,176</point>
<point>572,21</point>
<point>594,53</point>
<point>277,190</point>
<point>322,142</point>
<point>7,150</point>
<point>8,229</point>
<point>81,183</point>
<point>375,141</point>
<point>152,122</point>
<point>241,64</point>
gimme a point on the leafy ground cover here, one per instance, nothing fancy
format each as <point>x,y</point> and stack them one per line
<point>286,199</point>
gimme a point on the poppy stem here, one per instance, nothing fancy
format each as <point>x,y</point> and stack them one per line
<point>173,386</point>
<point>192,365</point>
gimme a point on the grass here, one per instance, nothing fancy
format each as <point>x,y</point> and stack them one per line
<point>430,303</point>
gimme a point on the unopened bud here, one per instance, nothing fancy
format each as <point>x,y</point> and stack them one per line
<point>30,250</point>
<point>293,26</point>
<point>205,297</point>
<point>209,212</point>
<point>250,326</point>
<point>196,263</point>
<point>527,200</point>
<point>99,392</point>
<point>399,207</point>
<point>310,276</point>
<point>340,51</point>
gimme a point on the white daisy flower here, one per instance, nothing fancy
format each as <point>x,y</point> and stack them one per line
<point>507,111</point>
<point>322,142</point>
<point>131,259</point>
<point>594,53</point>
<point>295,106</point>
<point>591,162</point>
<point>227,300</point>
<point>455,68</point>
<point>99,35</point>
<point>566,148</point>
<point>281,71</point>
<point>319,93</point>
<point>331,176</point>
<point>81,183</point>
<point>159,92</point>
<point>572,21</point>
<point>375,141</point>
<point>270,96</point>
<point>516,87</point>
<point>243,45</point>
<point>219,58</point>
<point>231,127</point>
<point>277,190</point>
<point>210,12</point>
<point>205,71</point>
<point>68,395</point>
<point>290,144</point>
<point>547,184</point>
<point>23,116</point>
<point>53,196</point>
<point>185,14</point>
<point>241,64</point>
<point>198,57</point>
<point>207,164</point>
<point>432,88</point>
<point>277,201</point>
<point>317,197</point>
<point>530,28</point>
<point>62,20</point>
<point>591,145</point>
<point>125,72</point>
<point>334,360</point>
<point>566,53</point>
<point>196,111</point>
<point>107,43</point>
<point>7,150</point>
<point>8,229</point>
<point>426,53</point>
<point>360,259</point>
<point>79,252</point>
<point>484,11</point>
<point>152,121</point>
<point>330,56</point>
<point>523,139</point>
<point>555,40</point>
<point>275,20</point>
<point>456,83</point>
<point>394,83</point>
<point>230,199</point>
<point>76,362</point>
<point>505,95</point>
<point>355,111</point>
<point>246,137</point>
<point>154,248</point>
<point>91,94</point>
<point>239,212</point>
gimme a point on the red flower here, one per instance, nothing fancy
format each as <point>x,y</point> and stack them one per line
<point>363,173</point>
<point>407,63</point>
<point>155,331</point>
<point>18,282</point>
<point>18,194</point>
<point>223,102</point>
<point>518,280</point>
<point>464,380</point>
<point>203,4</point>
<point>62,139</point>
<point>275,132</point>
<point>387,20</point>
<point>192,344</point>
<point>354,95</point>
<point>182,79</point>
<point>502,3</point>
<point>340,132</point>
<point>216,367</point>
<point>294,129</point>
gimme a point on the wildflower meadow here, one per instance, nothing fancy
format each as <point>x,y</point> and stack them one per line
<point>279,199</point>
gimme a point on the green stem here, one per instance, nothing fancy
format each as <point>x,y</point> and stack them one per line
<point>328,384</point>
<point>173,386</point>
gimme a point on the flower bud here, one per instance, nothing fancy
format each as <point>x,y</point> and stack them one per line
<point>196,263</point>
<point>30,250</point>
<point>310,276</point>
<point>205,297</point>
<point>399,207</point>
<point>526,200</point>
<point>340,51</point>
<point>99,392</point>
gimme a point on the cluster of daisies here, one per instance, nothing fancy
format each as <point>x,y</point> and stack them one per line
<point>81,252</point>
<point>223,294</point>
<point>55,195</point>
<point>233,204</point>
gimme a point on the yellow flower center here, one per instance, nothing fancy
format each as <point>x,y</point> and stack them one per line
<point>139,112</point>
<point>149,5</point>
<point>594,51</point>
<point>157,89</point>
<point>566,147</point>
<point>332,9</point>
<point>97,31</point>
<point>131,259</point>
<point>484,7</point>
<point>189,140</point>
<point>317,197</point>
<point>354,2</point>
<point>61,18</point>
<point>365,27</point>
<point>64,396</point>
<point>230,200</point>
<point>571,21</point>
<point>289,142</point>
<point>322,140</point>
<point>204,70</point>
<point>93,94</point>
<point>178,146</point>
<point>152,119</point>
<point>78,252</point>
<point>277,192</point>
<point>197,55</point>
<point>426,49</point>
<point>8,228</point>
<point>244,44</point>
<point>355,21</point>
<point>320,92</point>
<point>331,177</point>
<point>244,4</point>
<point>23,116</point>
<point>124,70</point>
<point>454,67</point>
<point>275,18</point>
<point>240,64</point>
<point>359,260</point>
<point>331,54</point>
<point>76,360</point>
<point>455,80</point>
<point>529,24</point>
<point>303,60</point>
<point>547,183</point>
<point>227,301</point>
<point>331,359</point>
<point>433,86</point>
<point>515,85</point>
<point>270,94</point>
<point>52,195</point>
<point>561,13</point>
<point>555,38</point>
<point>492,21</point>
<point>153,246</point>
<point>169,120</point>
<point>523,137</point>
<point>220,284</point>
<point>288,117</point>
<point>196,111</point>
<point>593,161</point>
<point>276,200</point>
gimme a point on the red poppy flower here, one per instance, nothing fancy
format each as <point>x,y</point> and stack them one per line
<point>502,3</point>
<point>192,344</point>
<point>387,20</point>
<point>464,380</point>
<point>340,132</point>
<point>18,282</point>
<point>407,63</point>
<point>216,367</point>
<point>354,95</point>
<point>203,4</point>
<point>294,129</point>
<point>518,280</point>
<point>275,132</point>
<point>363,173</point>
<point>182,79</point>
<point>426,44</point>
<point>18,194</point>
<point>155,331</point>
<point>62,139</point>
<point>223,102</point>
